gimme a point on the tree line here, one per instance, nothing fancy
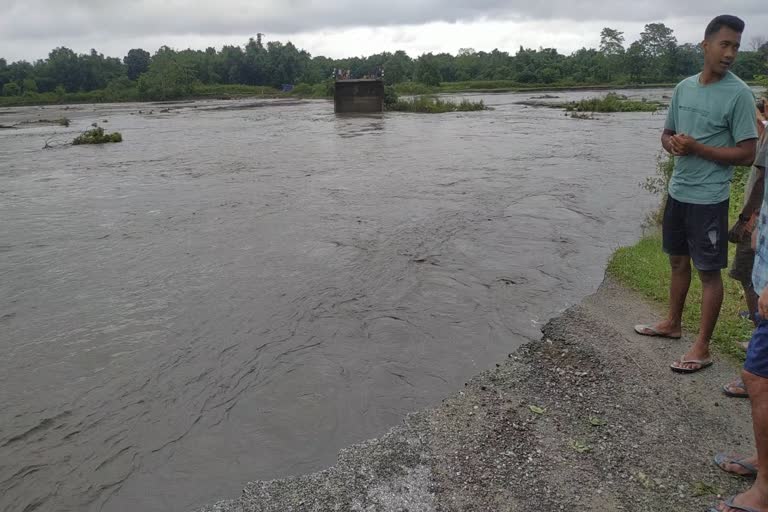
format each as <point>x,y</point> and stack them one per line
<point>655,57</point>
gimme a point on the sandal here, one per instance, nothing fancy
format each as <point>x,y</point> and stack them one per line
<point>722,459</point>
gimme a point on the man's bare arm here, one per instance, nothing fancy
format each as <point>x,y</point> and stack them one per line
<point>755,199</point>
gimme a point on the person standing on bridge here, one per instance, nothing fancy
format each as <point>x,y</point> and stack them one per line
<point>710,128</point>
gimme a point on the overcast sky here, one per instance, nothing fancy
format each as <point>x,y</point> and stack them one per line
<point>29,29</point>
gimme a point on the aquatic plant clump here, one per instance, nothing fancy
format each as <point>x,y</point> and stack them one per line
<point>612,102</point>
<point>434,105</point>
<point>97,136</point>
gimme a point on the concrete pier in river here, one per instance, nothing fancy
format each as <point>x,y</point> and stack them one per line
<point>358,96</point>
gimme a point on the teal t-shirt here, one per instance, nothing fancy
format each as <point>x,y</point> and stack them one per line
<point>721,114</point>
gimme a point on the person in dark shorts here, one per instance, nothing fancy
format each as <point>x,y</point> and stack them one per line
<point>755,377</point>
<point>710,128</point>
<point>741,235</point>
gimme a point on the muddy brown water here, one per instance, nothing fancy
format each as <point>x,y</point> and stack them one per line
<point>240,289</point>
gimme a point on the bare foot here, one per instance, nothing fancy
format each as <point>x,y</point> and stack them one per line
<point>750,500</point>
<point>697,358</point>
<point>736,389</point>
<point>663,329</point>
<point>738,464</point>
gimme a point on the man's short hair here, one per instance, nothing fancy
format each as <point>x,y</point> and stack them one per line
<point>725,20</point>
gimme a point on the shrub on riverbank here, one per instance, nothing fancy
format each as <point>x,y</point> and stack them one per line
<point>414,89</point>
<point>645,268</point>
<point>317,91</point>
<point>612,102</point>
<point>434,105</point>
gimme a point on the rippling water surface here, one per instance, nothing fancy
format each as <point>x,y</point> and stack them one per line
<point>240,289</point>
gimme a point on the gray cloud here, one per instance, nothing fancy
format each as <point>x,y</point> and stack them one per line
<point>30,28</point>
<point>34,19</point>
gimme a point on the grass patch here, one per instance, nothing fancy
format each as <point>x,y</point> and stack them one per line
<point>434,105</point>
<point>612,102</point>
<point>561,85</point>
<point>645,268</point>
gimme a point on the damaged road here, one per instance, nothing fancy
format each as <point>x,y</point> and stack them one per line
<point>589,418</point>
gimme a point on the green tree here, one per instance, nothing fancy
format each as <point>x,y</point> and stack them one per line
<point>659,46</point>
<point>689,59</point>
<point>656,39</point>
<point>62,68</point>
<point>11,89</point>
<point>636,62</point>
<point>426,70</point>
<point>611,41</point>
<point>3,72</point>
<point>230,65</point>
<point>29,86</point>
<point>166,78</point>
<point>136,63</point>
<point>398,68</point>
<point>748,65</point>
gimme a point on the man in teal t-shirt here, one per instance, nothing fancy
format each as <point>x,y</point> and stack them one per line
<point>710,128</point>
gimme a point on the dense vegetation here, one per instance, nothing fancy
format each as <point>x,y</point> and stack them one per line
<point>656,57</point>
<point>435,105</point>
<point>612,102</point>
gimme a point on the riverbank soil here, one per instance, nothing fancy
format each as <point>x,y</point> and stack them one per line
<point>589,418</point>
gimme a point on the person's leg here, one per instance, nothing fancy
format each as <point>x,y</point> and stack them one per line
<point>708,246</point>
<point>678,291</point>
<point>757,496</point>
<point>675,244</point>
<point>711,301</point>
<point>741,271</point>
<point>751,299</point>
<point>755,376</point>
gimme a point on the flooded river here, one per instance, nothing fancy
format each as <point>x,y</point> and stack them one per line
<point>240,289</point>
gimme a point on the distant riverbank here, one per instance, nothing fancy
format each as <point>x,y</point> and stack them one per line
<point>225,92</point>
<point>319,91</point>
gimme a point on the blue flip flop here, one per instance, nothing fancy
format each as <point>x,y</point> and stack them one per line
<point>729,503</point>
<point>724,458</point>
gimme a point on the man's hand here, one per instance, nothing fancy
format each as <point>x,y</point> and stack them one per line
<point>740,232</point>
<point>743,228</point>
<point>682,144</point>
<point>762,304</point>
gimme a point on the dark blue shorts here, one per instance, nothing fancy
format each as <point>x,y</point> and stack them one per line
<point>699,231</point>
<point>757,354</point>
